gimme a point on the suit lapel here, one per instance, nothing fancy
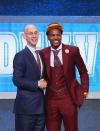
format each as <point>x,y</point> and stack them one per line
<point>47,61</point>
<point>31,58</point>
<point>42,63</point>
<point>30,55</point>
<point>65,57</point>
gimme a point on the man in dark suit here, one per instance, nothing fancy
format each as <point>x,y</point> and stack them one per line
<point>28,77</point>
<point>64,93</point>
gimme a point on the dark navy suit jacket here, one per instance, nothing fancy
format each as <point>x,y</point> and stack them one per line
<point>29,98</point>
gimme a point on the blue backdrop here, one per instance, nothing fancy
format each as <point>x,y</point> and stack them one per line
<point>84,35</point>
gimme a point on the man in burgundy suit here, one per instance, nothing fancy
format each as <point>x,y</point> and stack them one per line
<point>64,93</point>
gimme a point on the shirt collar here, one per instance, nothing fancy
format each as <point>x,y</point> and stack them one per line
<point>31,49</point>
<point>59,48</point>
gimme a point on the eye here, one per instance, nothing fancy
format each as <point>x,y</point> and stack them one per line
<point>35,32</point>
<point>32,33</point>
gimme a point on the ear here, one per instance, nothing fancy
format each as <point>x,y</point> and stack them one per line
<point>24,36</point>
<point>48,37</point>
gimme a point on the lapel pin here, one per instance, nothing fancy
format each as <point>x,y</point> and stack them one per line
<point>66,51</point>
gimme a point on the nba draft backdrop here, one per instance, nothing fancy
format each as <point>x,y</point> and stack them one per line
<point>83,32</point>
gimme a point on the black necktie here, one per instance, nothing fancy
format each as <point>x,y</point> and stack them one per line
<point>57,61</point>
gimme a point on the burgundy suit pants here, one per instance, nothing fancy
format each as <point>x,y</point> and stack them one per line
<point>58,110</point>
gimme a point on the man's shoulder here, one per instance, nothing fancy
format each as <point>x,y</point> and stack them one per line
<point>70,47</point>
<point>45,49</point>
<point>21,53</point>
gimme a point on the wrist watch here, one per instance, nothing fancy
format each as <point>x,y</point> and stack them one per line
<point>85,94</point>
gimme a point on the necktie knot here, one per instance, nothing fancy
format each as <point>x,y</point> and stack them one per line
<point>56,52</point>
<point>36,51</point>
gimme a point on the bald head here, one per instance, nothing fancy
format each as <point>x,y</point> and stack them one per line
<point>28,27</point>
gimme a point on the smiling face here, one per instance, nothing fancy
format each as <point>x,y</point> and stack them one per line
<point>31,35</point>
<point>55,37</point>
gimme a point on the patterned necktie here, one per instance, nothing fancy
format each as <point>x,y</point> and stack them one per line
<point>57,61</point>
<point>38,60</point>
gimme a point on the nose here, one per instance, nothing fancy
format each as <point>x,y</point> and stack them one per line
<point>55,37</point>
<point>34,35</point>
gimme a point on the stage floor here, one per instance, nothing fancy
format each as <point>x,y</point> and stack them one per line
<point>89,115</point>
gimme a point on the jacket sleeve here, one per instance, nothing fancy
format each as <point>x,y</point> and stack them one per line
<point>84,77</point>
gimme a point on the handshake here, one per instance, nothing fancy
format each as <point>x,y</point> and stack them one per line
<point>42,83</point>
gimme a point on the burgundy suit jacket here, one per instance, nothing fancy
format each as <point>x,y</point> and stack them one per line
<point>71,60</point>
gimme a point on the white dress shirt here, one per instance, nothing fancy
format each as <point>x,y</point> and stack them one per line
<point>59,55</point>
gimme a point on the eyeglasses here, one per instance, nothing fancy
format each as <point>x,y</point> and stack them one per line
<point>32,33</point>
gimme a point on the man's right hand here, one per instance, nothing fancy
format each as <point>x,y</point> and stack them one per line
<point>42,84</point>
